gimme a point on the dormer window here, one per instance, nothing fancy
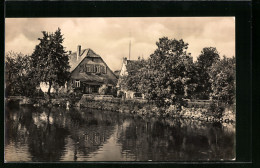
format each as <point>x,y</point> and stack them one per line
<point>97,68</point>
<point>77,83</point>
<point>88,69</point>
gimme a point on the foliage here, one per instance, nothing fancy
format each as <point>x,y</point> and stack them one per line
<point>222,78</point>
<point>208,56</point>
<point>120,94</point>
<point>19,75</point>
<point>103,89</point>
<point>167,77</point>
<point>50,61</point>
<point>113,91</point>
<point>216,110</point>
<point>132,80</point>
<point>106,90</point>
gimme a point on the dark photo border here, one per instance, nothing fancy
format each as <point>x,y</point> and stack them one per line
<point>241,10</point>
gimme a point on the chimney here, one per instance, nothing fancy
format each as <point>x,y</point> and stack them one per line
<point>78,51</point>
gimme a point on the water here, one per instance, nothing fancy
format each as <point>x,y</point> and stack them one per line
<point>56,134</point>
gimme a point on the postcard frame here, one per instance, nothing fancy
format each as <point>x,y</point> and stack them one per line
<point>241,10</point>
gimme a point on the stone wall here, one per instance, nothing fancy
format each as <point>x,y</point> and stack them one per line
<point>144,108</point>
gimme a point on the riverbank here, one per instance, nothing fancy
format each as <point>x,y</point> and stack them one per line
<point>201,112</point>
<point>144,108</point>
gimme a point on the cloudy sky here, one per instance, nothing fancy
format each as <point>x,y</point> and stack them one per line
<point>110,37</point>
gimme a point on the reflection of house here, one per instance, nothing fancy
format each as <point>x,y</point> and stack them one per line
<point>89,71</point>
<point>128,94</point>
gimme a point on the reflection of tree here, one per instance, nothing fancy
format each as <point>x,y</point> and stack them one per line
<point>51,133</point>
<point>46,131</point>
<point>175,141</point>
<point>47,142</point>
<point>16,124</point>
<point>90,130</point>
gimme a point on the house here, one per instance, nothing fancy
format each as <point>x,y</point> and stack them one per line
<point>89,71</point>
<point>126,67</point>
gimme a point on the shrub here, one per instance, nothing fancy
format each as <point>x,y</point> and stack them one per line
<point>216,110</point>
<point>171,110</point>
<point>103,89</point>
<point>120,94</point>
<point>113,91</point>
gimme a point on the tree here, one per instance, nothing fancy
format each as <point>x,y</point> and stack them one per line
<point>222,77</point>
<point>132,80</point>
<point>19,75</point>
<point>50,61</point>
<point>208,56</point>
<point>167,75</point>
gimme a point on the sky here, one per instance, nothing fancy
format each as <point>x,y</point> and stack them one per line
<point>110,37</point>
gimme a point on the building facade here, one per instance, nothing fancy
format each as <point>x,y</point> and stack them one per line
<point>89,72</point>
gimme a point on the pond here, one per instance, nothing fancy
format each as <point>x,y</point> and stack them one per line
<point>56,134</point>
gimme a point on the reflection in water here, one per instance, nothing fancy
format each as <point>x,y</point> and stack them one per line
<point>55,134</point>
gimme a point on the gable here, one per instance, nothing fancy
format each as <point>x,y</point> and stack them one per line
<point>74,61</point>
<point>94,69</point>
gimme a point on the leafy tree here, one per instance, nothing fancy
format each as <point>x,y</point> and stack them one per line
<point>50,61</point>
<point>222,77</point>
<point>167,76</point>
<point>19,75</point>
<point>208,56</point>
<point>132,80</point>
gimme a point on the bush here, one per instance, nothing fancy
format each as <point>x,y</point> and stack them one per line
<point>216,110</point>
<point>74,97</point>
<point>171,110</point>
<point>120,94</point>
<point>114,91</point>
<point>103,89</point>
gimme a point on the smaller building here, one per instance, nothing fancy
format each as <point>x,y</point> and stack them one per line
<point>127,94</point>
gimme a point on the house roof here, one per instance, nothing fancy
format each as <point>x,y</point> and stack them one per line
<point>84,53</point>
<point>90,77</point>
<point>117,73</point>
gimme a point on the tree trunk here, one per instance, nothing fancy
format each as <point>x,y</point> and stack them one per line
<point>49,89</point>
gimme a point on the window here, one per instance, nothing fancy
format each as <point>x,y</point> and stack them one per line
<point>103,69</point>
<point>95,68</point>
<point>77,83</point>
<point>88,69</point>
<point>137,94</point>
<point>91,68</point>
<point>98,68</point>
<point>95,88</point>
